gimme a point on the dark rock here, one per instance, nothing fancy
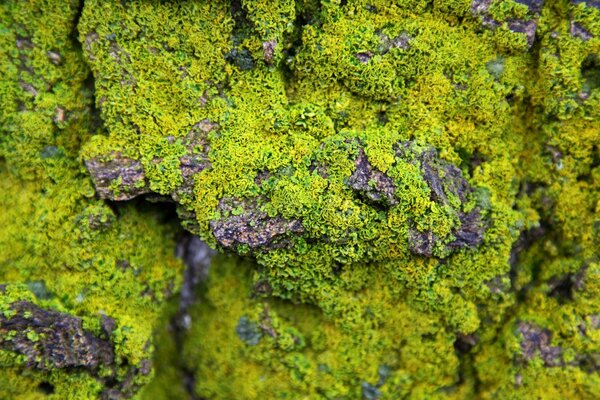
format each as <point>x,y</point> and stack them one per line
<point>442,177</point>
<point>589,3</point>
<point>55,58</point>
<point>534,6</point>
<point>52,340</point>
<point>536,341</point>
<point>370,392</point>
<point>526,27</point>
<point>480,8</point>
<point>365,56</point>
<point>421,243</point>
<point>127,173</point>
<point>251,226</point>
<point>269,51</point>
<point>399,42</point>
<point>580,32</point>
<point>108,325</point>
<point>371,184</point>
<point>190,165</point>
<point>197,145</point>
<point>196,256</point>
<point>121,178</point>
<point>470,232</point>
<point>444,180</point>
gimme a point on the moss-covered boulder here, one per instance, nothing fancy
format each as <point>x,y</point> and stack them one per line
<point>415,185</point>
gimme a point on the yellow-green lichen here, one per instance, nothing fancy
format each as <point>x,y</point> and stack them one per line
<point>351,148</point>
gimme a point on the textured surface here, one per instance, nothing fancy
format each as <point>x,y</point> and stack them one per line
<point>411,187</point>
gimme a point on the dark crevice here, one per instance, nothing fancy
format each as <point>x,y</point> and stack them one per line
<point>526,239</point>
<point>74,36</point>
<point>167,211</point>
<point>196,256</point>
<point>46,388</point>
<point>590,73</point>
<point>242,25</point>
<point>303,18</point>
<point>563,288</point>
<point>96,121</point>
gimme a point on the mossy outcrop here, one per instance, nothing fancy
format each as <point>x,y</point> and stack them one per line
<point>82,282</point>
<point>415,185</point>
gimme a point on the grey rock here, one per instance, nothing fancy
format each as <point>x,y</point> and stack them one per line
<point>50,339</point>
<point>251,226</point>
<point>371,184</point>
<point>536,341</point>
<point>127,173</point>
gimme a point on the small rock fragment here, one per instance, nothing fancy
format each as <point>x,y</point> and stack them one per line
<point>50,339</point>
<point>126,173</point>
<point>246,224</point>
<point>371,184</point>
<point>537,341</point>
<point>269,51</point>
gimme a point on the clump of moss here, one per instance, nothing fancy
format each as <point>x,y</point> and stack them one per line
<point>298,156</point>
<point>246,344</point>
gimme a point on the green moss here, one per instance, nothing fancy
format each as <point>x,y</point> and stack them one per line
<point>61,248</point>
<point>295,351</point>
<point>274,107</point>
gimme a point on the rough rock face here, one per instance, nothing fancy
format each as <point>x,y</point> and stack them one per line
<point>244,223</point>
<point>373,185</point>
<point>49,339</point>
<point>67,259</point>
<point>526,26</point>
<point>536,342</point>
<point>119,178</point>
<point>444,179</point>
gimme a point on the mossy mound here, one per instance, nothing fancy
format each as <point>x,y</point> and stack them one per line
<point>248,345</point>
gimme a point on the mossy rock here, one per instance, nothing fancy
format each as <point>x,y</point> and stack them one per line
<point>415,186</point>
